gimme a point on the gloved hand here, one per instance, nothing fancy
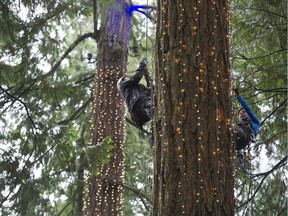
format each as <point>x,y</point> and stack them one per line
<point>143,63</point>
<point>236,91</point>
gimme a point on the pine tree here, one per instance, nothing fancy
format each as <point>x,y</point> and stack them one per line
<point>105,193</point>
<point>193,151</point>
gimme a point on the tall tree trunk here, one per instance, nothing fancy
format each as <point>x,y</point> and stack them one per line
<point>104,192</point>
<point>193,151</point>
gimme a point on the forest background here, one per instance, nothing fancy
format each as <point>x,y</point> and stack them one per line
<point>46,106</point>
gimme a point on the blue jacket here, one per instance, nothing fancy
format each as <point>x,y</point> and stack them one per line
<point>255,124</point>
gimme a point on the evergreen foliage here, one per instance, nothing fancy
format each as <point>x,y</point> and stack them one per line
<point>46,85</point>
<point>45,105</point>
<point>44,109</point>
<point>259,57</point>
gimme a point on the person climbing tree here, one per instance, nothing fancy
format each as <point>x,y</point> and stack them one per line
<point>137,96</point>
<point>248,126</point>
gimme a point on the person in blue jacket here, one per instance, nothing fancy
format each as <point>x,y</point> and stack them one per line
<point>248,126</point>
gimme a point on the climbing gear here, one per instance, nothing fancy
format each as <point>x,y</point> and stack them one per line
<point>240,108</point>
<point>245,159</point>
<point>141,112</point>
<point>243,138</point>
<point>243,135</point>
<point>119,82</point>
<point>252,138</point>
<point>243,162</point>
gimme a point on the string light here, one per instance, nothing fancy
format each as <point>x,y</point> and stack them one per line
<point>105,124</point>
<point>209,84</point>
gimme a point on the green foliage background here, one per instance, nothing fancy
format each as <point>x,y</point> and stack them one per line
<point>45,112</point>
<point>259,58</point>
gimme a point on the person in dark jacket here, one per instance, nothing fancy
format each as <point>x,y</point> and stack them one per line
<point>248,126</point>
<point>137,97</point>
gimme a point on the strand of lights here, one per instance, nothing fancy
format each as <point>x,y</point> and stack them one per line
<point>181,116</point>
<point>200,76</point>
<point>199,90</point>
<point>218,117</point>
<point>105,87</point>
<point>164,145</point>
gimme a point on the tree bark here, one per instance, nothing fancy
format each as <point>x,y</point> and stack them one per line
<point>105,195</point>
<point>193,151</point>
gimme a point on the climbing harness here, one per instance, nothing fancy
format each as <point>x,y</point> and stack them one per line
<point>245,158</point>
<point>243,151</point>
<point>242,139</point>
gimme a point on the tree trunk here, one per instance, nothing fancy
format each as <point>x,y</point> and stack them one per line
<point>193,151</point>
<point>104,192</point>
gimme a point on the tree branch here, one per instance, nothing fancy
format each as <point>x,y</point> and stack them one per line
<point>71,47</point>
<point>275,110</point>
<point>95,18</point>
<point>278,165</point>
<point>140,8</point>
<point>63,209</point>
<point>58,63</point>
<point>258,57</point>
<point>24,104</point>
<point>271,12</point>
<point>76,114</point>
<point>271,138</point>
<point>88,78</point>
<point>136,191</point>
<point>282,211</point>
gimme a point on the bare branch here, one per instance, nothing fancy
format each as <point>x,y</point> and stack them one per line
<point>278,165</point>
<point>95,15</point>
<point>150,9</point>
<point>275,110</point>
<point>134,190</point>
<point>282,211</point>
<point>24,104</point>
<point>139,194</point>
<point>77,113</point>
<point>58,63</point>
<point>63,209</point>
<point>259,57</point>
<point>267,11</point>
<point>88,78</point>
<point>71,47</point>
<point>269,139</point>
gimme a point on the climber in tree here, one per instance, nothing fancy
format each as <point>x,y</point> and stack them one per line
<point>248,125</point>
<point>137,96</point>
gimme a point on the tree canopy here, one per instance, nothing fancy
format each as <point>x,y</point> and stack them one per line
<point>46,87</point>
<point>259,63</point>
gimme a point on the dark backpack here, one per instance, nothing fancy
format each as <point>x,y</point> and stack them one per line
<point>243,135</point>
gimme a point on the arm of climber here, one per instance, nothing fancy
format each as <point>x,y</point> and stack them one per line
<point>255,120</point>
<point>135,79</point>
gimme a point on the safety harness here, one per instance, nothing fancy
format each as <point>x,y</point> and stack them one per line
<point>244,154</point>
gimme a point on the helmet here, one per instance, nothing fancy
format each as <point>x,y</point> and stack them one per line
<point>119,82</point>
